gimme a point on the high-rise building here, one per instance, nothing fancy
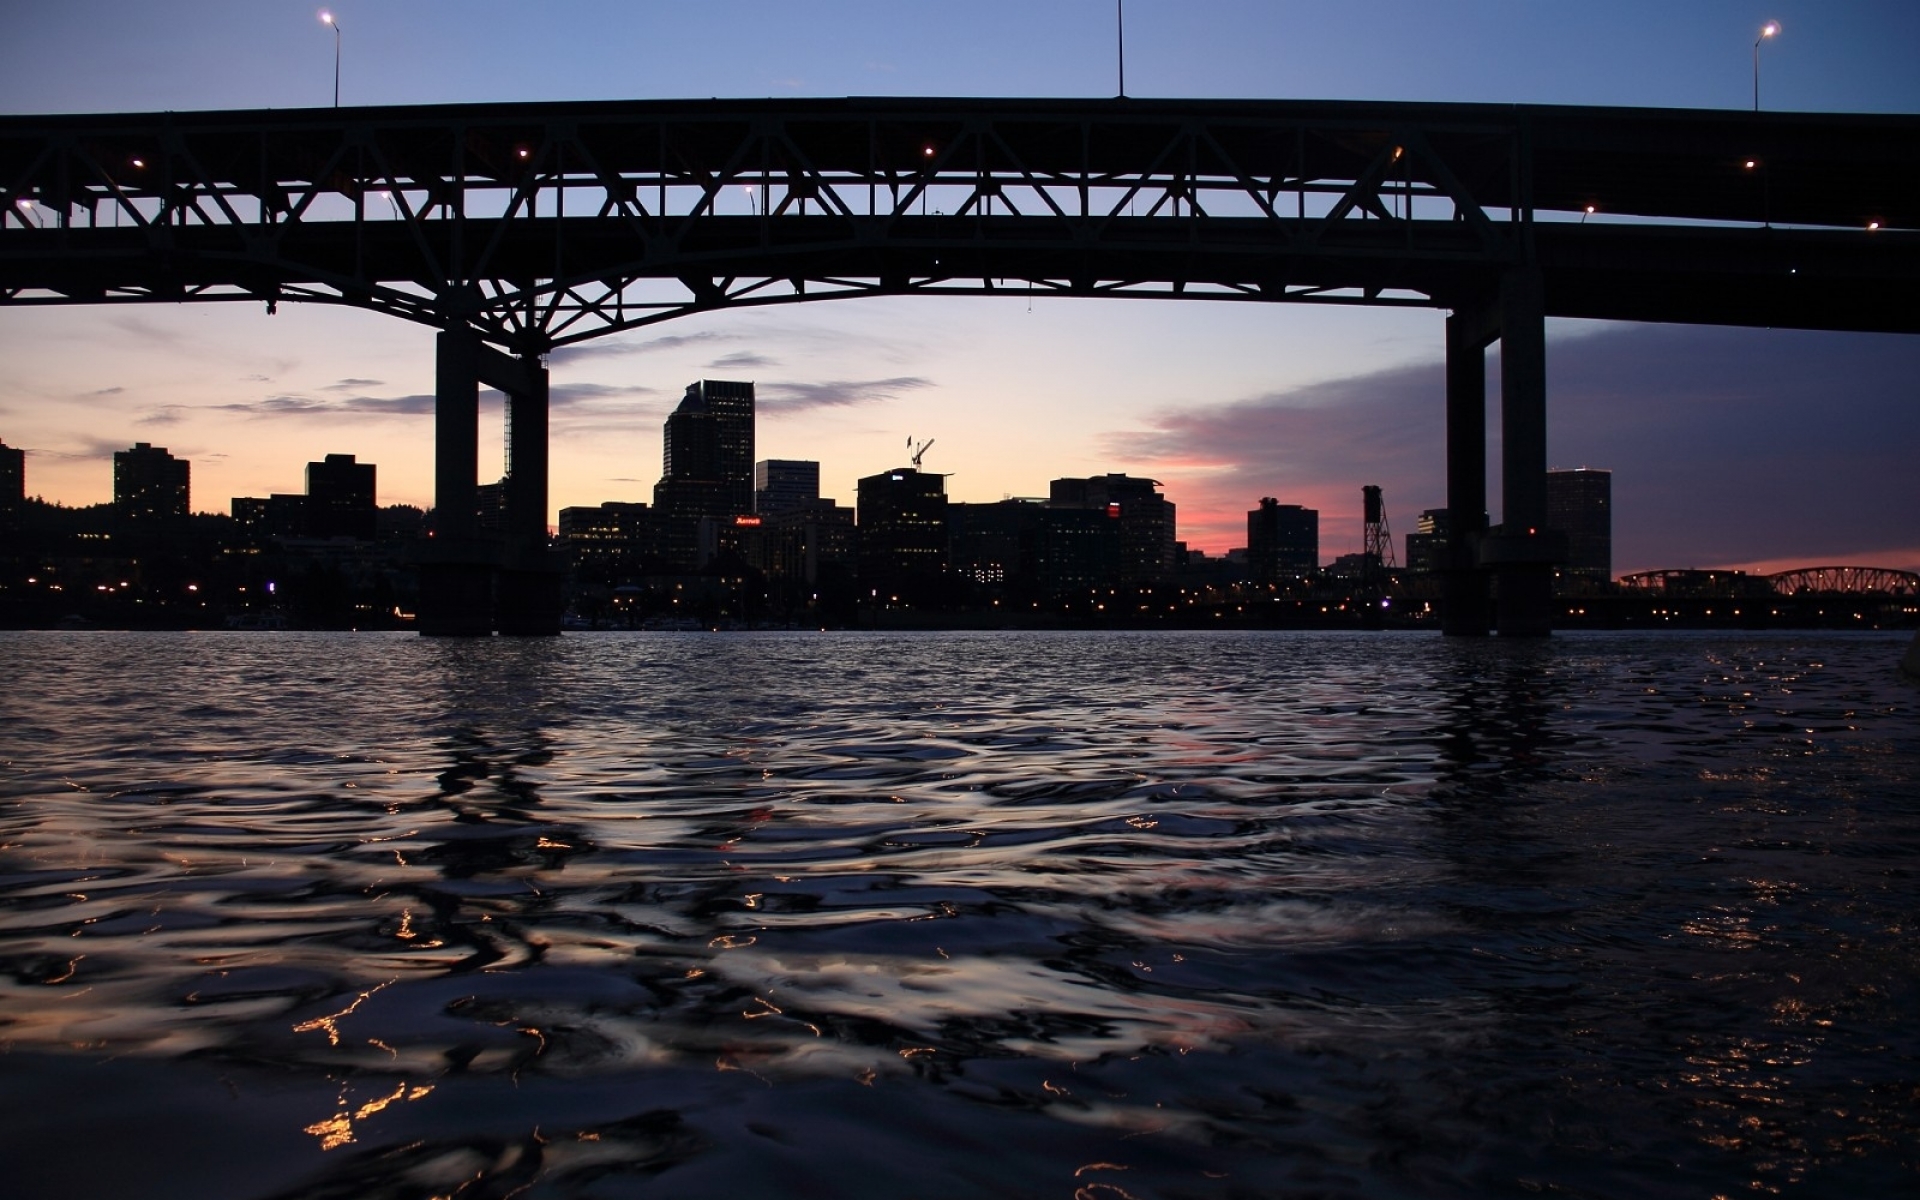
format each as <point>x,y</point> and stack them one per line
<point>784,484</point>
<point>710,436</point>
<point>707,464</point>
<point>149,484</point>
<point>340,498</point>
<point>13,484</point>
<point>902,519</point>
<point>1145,520</point>
<point>1427,545</point>
<point>1283,540</point>
<point>1580,505</point>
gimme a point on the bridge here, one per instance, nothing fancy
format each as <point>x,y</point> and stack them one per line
<point>1800,581</point>
<point>516,229</point>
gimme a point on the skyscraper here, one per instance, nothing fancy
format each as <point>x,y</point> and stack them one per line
<point>149,484</point>
<point>1580,505</point>
<point>784,484</point>
<point>707,463</point>
<point>710,436</point>
<point>1283,540</point>
<point>13,484</point>
<point>1427,545</point>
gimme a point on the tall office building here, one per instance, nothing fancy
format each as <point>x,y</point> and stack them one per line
<point>340,498</point>
<point>149,484</point>
<point>710,437</point>
<point>1144,517</point>
<point>707,464</point>
<point>902,519</point>
<point>1283,540</point>
<point>784,484</point>
<point>1427,545</point>
<point>13,484</point>
<point>1580,505</point>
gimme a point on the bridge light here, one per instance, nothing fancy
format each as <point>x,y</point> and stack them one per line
<point>523,152</point>
<point>140,164</point>
<point>927,150</point>
<point>1872,226</point>
<point>1751,163</point>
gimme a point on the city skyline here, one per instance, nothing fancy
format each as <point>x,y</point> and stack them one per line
<point>1718,460</point>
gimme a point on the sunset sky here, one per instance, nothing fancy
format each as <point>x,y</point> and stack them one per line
<point>1729,447</point>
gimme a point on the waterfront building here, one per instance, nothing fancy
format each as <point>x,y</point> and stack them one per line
<point>1580,505</point>
<point>340,499</point>
<point>784,484</point>
<point>808,544</point>
<point>1028,549</point>
<point>149,484</point>
<point>612,543</point>
<point>1144,518</point>
<point>902,521</point>
<point>276,517</point>
<point>13,484</point>
<point>706,464</point>
<point>1427,546</point>
<point>1283,541</point>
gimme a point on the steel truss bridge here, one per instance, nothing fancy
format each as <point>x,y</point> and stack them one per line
<point>1801,581</point>
<point>516,229</point>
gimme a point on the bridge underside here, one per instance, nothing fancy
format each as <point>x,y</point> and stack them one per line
<point>519,229</point>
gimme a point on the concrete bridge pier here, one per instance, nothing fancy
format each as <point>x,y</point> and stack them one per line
<point>456,566</point>
<point>1518,554</point>
<point>1468,609</point>
<point>527,591</point>
<point>472,583</point>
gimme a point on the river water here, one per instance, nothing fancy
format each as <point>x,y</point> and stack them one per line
<point>1083,916</point>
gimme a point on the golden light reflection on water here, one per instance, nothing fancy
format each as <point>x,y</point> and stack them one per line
<point>338,1130</point>
<point>1255,915</point>
<point>331,1022</point>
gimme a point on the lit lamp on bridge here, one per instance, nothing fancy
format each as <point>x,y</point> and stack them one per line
<point>1766,31</point>
<point>327,18</point>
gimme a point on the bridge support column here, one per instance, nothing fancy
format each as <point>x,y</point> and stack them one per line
<point>456,569</point>
<point>1521,550</point>
<point>1468,604</point>
<point>528,592</point>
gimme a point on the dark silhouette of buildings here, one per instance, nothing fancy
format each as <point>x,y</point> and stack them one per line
<point>1029,550</point>
<point>1283,541</point>
<point>340,499</point>
<point>1427,545</point>
<point>613,543</point>
<point>1144,518</point>
<point>276,517</point>
<point>13,485</point>
<point>706,463</point>
<point>1580,505</point>
<point>338,503</point>
<point>149,484</point>
<point>902,520</point>
<point>784,484</point>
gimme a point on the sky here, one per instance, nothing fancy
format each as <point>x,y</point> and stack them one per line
<point>1749,448</point>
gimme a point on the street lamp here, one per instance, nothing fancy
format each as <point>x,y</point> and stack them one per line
<point>327,18</point>
<point>1766,31</point>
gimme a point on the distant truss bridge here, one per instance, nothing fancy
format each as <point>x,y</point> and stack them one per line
<point>1801,581</point>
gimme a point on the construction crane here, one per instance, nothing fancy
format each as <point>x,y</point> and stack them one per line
<point>918,451</point>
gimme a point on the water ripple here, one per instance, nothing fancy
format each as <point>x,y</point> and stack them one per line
<point>954,915</point>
